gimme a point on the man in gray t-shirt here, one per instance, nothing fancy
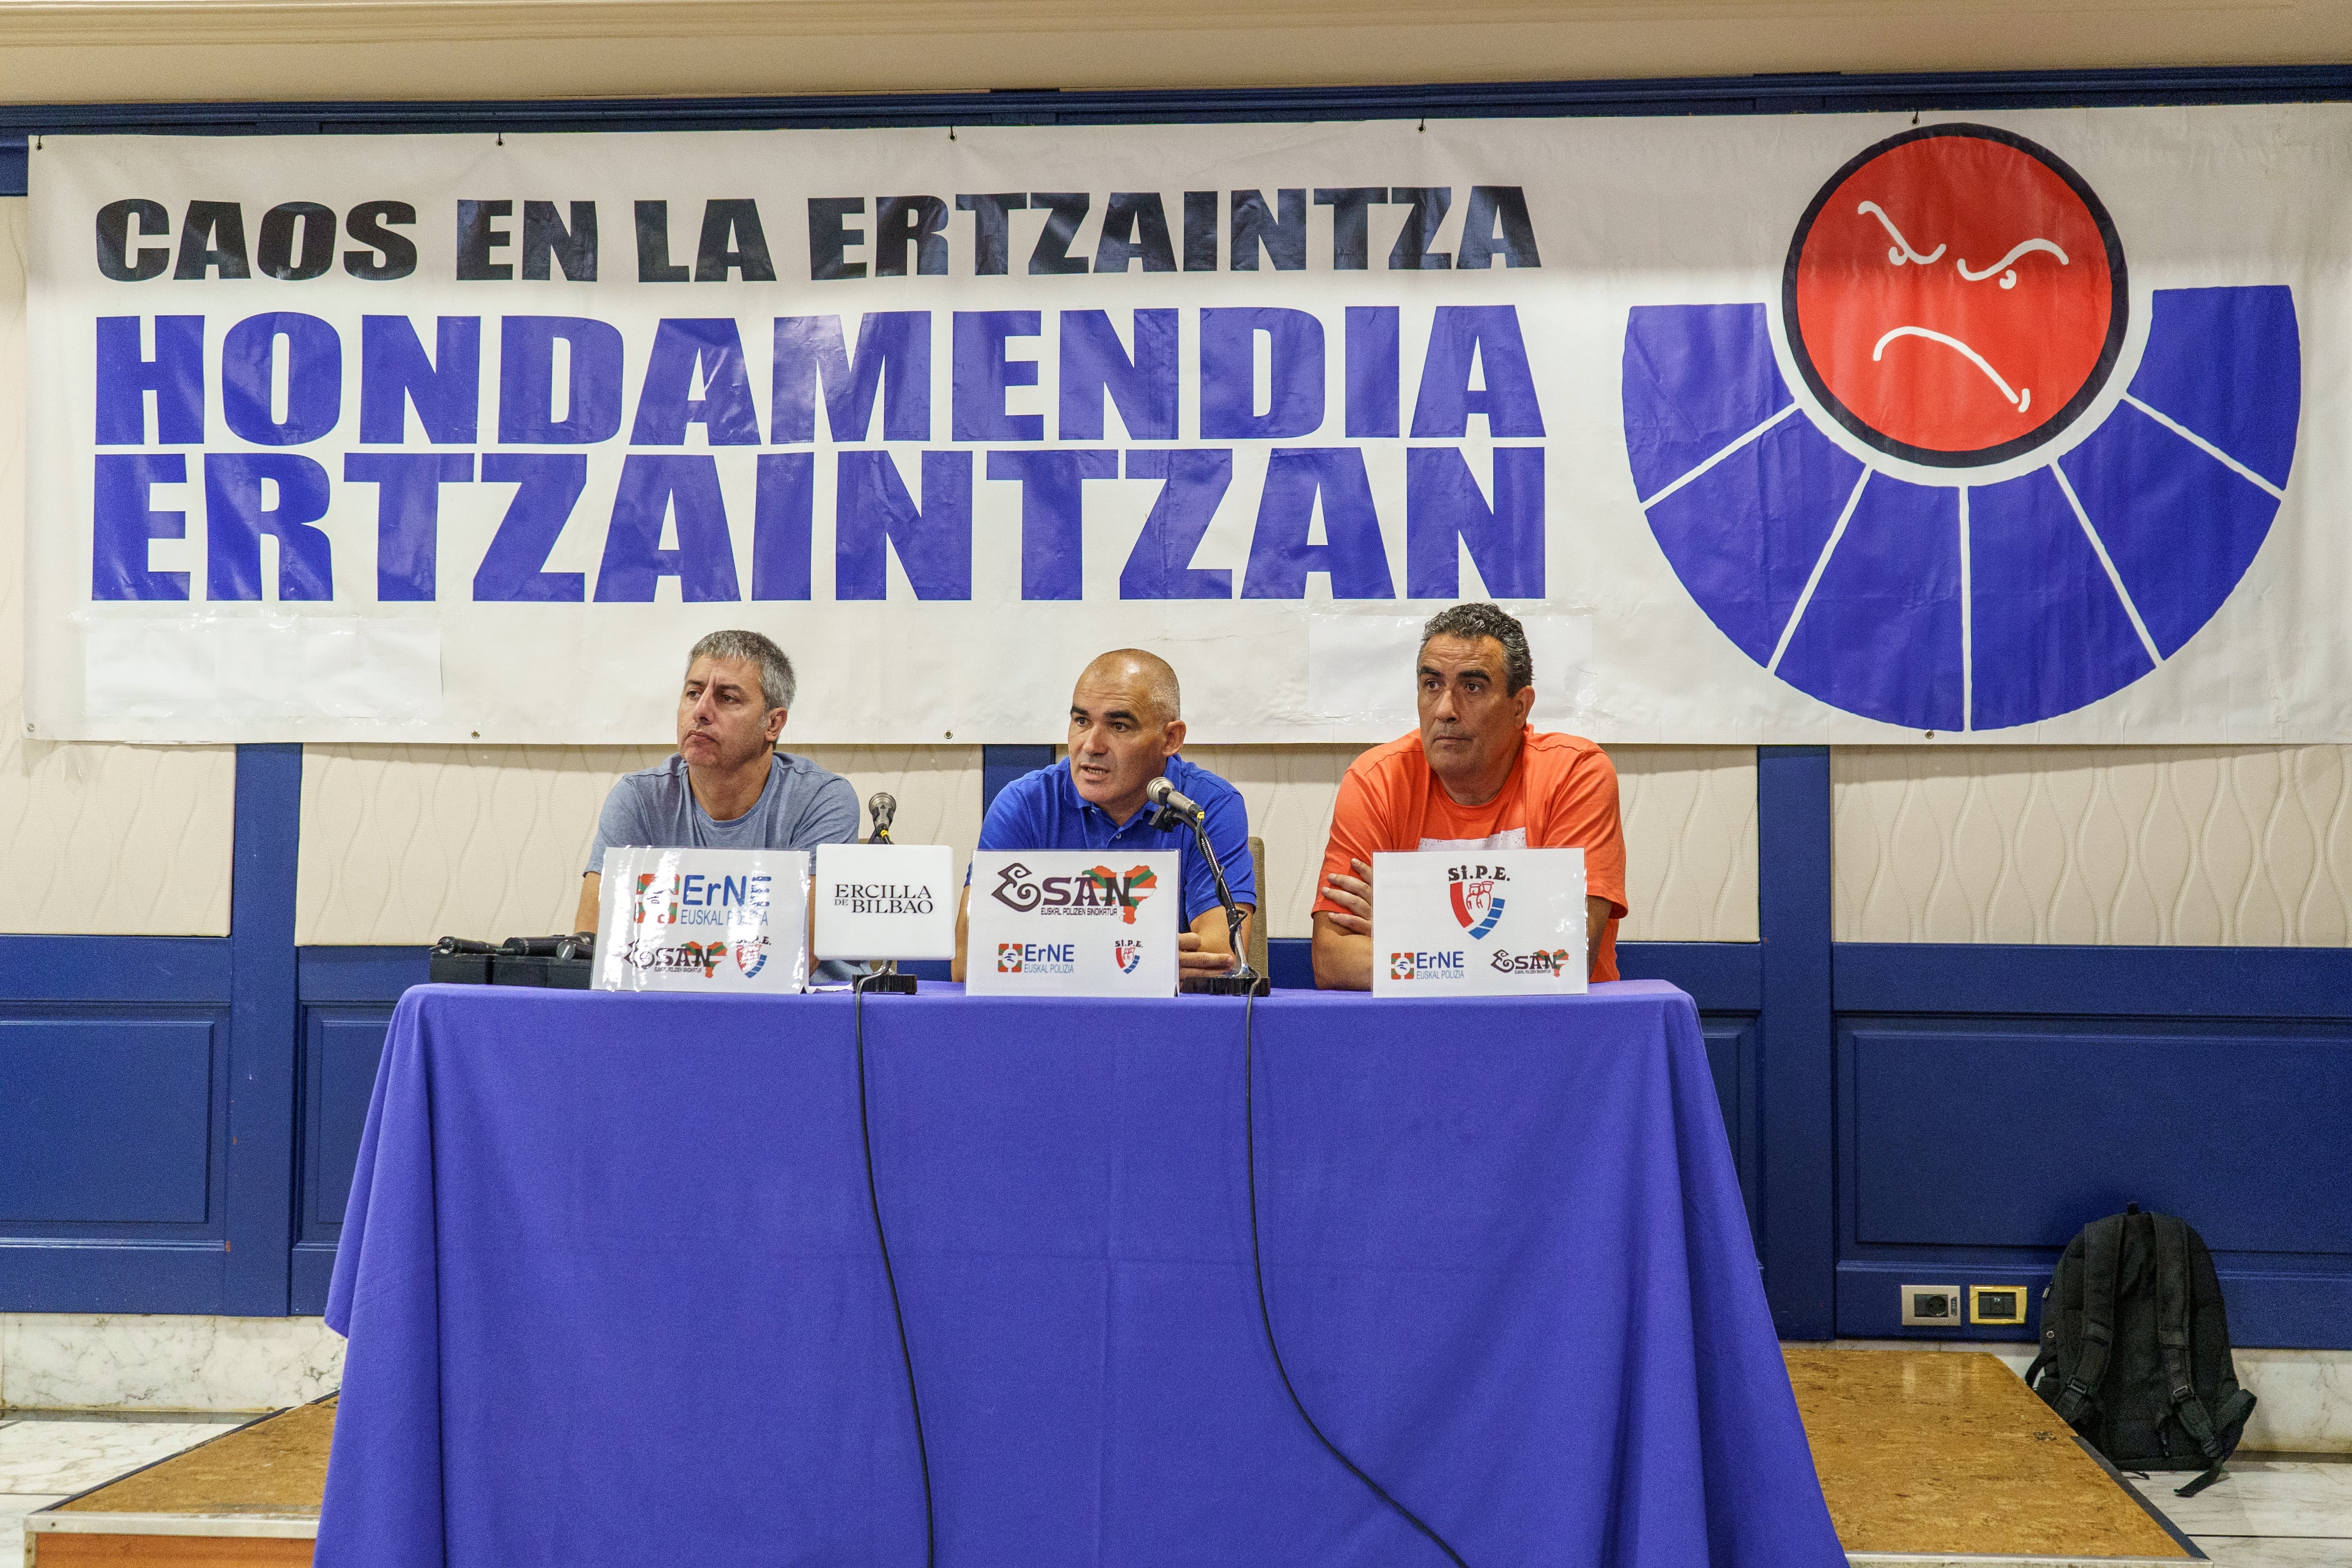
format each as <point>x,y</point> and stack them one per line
<point>727,787</point>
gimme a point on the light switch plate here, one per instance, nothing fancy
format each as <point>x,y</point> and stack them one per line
<point>1997,1305</point>
<point>1932,1307</point>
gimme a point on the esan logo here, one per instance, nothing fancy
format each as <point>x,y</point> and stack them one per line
<point>1962,524</point>
<point>1096,891</point>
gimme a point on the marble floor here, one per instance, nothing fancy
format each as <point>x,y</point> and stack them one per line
<point>46,1457</point>
<point>2269,1511</point>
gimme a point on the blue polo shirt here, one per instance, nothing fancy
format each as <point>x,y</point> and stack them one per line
<point>1045,811</point>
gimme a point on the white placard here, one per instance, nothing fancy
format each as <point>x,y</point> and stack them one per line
<point>714,921</point>
<point>886,900</point>
<point>1478,923</point>
<point>1072,922</point>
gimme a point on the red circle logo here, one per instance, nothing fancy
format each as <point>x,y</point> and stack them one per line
<point>1955,295</point>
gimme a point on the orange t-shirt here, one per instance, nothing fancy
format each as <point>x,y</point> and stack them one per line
<point>1562,795</point>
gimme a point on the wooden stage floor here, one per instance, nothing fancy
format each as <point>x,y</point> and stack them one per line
<point>1927,1460</point>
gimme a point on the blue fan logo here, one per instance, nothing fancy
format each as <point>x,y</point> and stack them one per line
<point>1942,536</point>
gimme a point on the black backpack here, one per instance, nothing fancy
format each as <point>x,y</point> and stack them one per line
<point>2135,1348</point>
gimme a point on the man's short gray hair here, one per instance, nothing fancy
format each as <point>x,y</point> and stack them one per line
<point>1482,620</point>
<point>777,686</point>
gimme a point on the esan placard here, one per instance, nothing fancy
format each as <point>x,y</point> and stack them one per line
<point>1072,922</point>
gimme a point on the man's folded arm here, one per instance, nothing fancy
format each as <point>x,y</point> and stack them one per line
<point>1343,960</point>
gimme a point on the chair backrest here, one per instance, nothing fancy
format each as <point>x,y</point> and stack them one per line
<point>1256,939</point>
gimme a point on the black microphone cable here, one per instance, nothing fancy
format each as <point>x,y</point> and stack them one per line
<point>882,1240</point>
<point>1265,1318</point>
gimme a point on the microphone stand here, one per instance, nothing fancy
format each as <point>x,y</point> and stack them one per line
<point>1241,979</point>
<point>882,977</point>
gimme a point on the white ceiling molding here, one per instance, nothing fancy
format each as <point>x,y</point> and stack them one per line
<point>121,50</point>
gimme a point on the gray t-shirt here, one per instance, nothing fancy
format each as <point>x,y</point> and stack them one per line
<point>803,807</point>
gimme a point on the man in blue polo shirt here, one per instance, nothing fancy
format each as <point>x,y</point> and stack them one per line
<point>1124,731</point>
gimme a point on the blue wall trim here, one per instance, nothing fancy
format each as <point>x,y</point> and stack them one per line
<point>2112,982</point>
<point>1799,1237</point>
<point>359,974</point>
<point>1803,92</point>
<point>1000,766</point>
<point>114,968</point>
<point>1721,976</point>
<point>262,1027</point>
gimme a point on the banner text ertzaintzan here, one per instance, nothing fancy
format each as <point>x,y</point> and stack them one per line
<point>1260,374</point>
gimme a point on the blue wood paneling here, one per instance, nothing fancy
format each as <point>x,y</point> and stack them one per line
<point>1731,1057</point>
<point>341,1044</point>
<point>112,1123</point>
<point>1796,1227</point>
<point>1980,1134</point>
<point>1973,1148</point>
<point>1721,976</point>
<point>1000,766</point>
<point>359,974</point>
<point>113,1157</point>
<point>2095,982</point>
<point>261,1029</point>
<point>114,968</point>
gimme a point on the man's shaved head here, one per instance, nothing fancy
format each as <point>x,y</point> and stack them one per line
<point>1125,723</point>
<point>1151,676</point>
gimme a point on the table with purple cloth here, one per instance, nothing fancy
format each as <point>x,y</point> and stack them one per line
<point>613,1295</point>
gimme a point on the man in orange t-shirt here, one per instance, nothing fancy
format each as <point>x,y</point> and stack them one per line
<point>1474,776</point>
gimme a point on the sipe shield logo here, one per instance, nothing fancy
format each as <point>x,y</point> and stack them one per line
<point>1963,523</point>
<point>1477,903</point>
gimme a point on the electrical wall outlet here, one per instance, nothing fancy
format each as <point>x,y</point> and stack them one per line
<point>2001,1305</point>
<point>1931,1307</point>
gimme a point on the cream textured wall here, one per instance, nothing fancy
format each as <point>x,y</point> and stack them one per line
<point>2246,845</point>
<point>95,840</point>
<point>402,844</point>
<point>405,844</point>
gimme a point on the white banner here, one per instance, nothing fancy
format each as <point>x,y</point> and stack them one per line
<point>1830,428</point>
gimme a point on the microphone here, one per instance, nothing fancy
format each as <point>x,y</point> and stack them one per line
<point>1164,796</point>
<point>882,808</point>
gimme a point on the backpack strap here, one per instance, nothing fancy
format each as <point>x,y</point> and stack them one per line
<point>2172,1338</point>
<point>2101,1258</point>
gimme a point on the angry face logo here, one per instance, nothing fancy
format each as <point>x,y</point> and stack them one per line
<point>1964,505</point>
<point>1955,295</point>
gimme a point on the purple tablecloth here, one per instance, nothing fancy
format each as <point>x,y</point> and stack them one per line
<point>610,1279</point>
